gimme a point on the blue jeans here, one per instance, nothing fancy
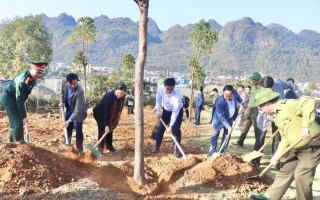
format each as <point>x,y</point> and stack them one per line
<point>79,133</point>
<point>215,137</point>
<point>197,113</point>
<point>166,116</point>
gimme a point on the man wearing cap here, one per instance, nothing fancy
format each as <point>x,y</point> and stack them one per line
<point>72,97</point>
<point>15,95</point>
<point>185,102</point>
<point>252,111</point>
<point>265,121</point>
<point>295,119</point>
<point>215,100</point>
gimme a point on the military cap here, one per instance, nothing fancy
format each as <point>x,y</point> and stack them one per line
<point>255,76</point>
<point>39,66</point>
<point>183,96</point>
<point>265,95</point>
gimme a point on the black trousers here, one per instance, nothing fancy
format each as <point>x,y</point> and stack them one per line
<point>187,112</point>
<point>260,142</point>
<point>107,141</point>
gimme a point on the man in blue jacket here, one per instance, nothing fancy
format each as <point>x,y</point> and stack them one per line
<point>226,112</point>
<point>199,105</point>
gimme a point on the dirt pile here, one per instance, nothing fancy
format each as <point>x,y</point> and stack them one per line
<point>168,174</point>
<point>28,169</point>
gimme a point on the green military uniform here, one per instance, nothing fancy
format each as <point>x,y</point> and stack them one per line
<point>290,117</point>
<point>252,113</point>
<point>15,95</point>
<point>13,100</point>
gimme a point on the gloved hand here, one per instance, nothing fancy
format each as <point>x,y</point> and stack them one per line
<point>305,133</point>
<point>274,161</point>
<point>158,116</point>
<point>61,105</point>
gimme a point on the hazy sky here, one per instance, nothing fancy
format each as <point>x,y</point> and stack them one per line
<point>295,15</point>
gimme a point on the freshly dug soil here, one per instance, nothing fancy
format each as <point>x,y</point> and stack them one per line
<point>226,172</point>
<point>27,169</point>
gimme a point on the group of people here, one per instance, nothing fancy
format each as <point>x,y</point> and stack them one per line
<point>266,106</point>
<point>263,105</point>
<point>106,113</point>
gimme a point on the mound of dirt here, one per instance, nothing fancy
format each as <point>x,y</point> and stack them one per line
<point>168,174</point>
<point>26,169</point>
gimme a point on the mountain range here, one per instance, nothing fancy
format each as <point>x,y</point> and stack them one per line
<point>244,46</point>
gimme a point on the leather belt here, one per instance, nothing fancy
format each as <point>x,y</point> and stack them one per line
<point>315,139</point>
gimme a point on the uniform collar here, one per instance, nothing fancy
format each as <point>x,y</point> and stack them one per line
<point>279,108</point>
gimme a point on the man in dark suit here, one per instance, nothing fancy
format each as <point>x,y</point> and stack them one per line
<point>226,112</point>
<point>199,105</point>
<point>72,97</point>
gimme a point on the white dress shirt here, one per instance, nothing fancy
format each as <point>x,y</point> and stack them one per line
<point>232,108</point>
<point>171,102</point>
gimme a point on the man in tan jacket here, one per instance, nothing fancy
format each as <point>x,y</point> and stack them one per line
<point>245,98</point>
<point>72,97</point>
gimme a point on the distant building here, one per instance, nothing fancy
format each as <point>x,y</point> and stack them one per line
<point>53,67</point>
<point>62,65</point>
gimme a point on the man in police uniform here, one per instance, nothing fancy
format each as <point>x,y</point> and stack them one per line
<point>295,119</point>
<point>16,94</point>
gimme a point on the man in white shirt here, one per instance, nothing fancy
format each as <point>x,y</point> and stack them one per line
<point>172,113</point>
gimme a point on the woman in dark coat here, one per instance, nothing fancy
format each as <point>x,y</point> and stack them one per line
<point>130,102</point>
<point>107,114</point>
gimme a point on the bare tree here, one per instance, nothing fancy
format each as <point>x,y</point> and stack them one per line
<point>139,176</point>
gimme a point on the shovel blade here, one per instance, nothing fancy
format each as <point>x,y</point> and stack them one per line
<point>65,144</point>
<point>257,176</point>
<point>214,155</point>
<point>96,152</point>
<point>252,155</point>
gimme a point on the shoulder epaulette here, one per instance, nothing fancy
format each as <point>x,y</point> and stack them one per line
<point>28,79</point>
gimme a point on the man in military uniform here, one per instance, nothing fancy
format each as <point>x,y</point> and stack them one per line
<point>295,119</point>
<point>16,94</point>
<point>252,112</point>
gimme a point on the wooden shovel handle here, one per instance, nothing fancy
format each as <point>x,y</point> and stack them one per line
<point>174,139</point>
<point>266,143</point>
<point>281,155</point>
<point>289,148</point>
<point>103,136</point>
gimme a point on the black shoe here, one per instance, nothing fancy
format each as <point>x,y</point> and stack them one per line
<point>156,150</point>
<point>112,151</point>
<point>236,143</point>
<point>255,164</point>
<point>176,153</point>
<point>152,137</point>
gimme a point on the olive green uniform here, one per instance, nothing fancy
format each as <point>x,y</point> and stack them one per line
<point>290,117</point>
<point>13,99</point>
<point>251,117</point>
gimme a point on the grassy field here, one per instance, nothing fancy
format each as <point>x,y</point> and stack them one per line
<point>204,141</point>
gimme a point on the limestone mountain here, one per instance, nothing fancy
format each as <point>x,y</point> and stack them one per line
<point>245,46</point>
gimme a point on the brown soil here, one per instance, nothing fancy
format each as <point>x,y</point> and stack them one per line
<point>37,169</point>
<point>25,168</point>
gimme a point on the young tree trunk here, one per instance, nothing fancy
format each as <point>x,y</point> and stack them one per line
<point>191,96</point>
<point>139,172</point>
<point>85,82</point>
